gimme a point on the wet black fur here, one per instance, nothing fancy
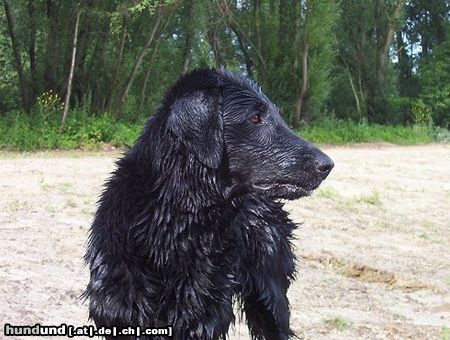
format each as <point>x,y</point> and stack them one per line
<point>190,220</point>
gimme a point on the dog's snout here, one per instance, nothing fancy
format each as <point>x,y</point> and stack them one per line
<point>324,164</point>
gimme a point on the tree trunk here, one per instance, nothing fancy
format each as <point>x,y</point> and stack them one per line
<point>283,23</point>
<point>352,83</point>
<point>51,60</point>
<point>17,61</point>
<point>247,59</point>
<point>383,46</point>
<point>257,16</point>
<point>72,65</point>
<point>32,50</point>
<point>96,61</point>
<point>297,40</point>
<point>284,43</point>
<point>355,94</point>
<point>234,25</point>
<point>301,97</point>
<point>362,96</point>
<point>189,29</point>
<point>214,42</point>
<point>147,76</point>
<point>118,64</point>
<point>404,65</point>
<point>81,81</point>
<point>138,62</point>
<point>152,61</point>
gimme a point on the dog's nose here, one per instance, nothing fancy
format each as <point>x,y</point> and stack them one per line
<point>324,165</point>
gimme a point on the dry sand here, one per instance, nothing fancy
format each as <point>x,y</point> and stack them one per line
<point>373,245</point>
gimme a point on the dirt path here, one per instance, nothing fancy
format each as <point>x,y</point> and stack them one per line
<point>373,245</point>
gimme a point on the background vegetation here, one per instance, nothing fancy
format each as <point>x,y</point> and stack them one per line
<point>340,70</point>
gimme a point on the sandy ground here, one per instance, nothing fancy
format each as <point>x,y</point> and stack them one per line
<point>373,245</point>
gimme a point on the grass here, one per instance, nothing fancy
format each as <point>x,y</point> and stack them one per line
<point>373,198</point>
<point>425,236</point>
<point>346,132</point>
<point>23,132</point>
<point>445,333</point>
<point>50,208</point>
<point>15,205</point>
<point>70,203</point>
<point>64,187</point>
<point>327,192</point>
<point>447,280</point>
<point>337,322</point>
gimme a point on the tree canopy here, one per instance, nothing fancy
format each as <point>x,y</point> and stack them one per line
<point>383,61</point>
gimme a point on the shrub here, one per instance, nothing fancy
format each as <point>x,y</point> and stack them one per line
<point>333,131</point>
<point>20,131</point>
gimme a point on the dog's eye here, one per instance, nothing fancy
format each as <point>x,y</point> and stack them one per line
<point>255,119</point>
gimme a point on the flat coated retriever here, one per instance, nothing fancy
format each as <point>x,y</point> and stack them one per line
<point>191,220</point>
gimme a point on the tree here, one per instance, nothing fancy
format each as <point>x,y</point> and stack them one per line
<point>318,55</point>
<point>17,59</point>
<point>434,79</point>
<point>363,60</point>
<point>139,58</point>
<point>365,36</point>
<point>72,65</point>
<point>189,32</point>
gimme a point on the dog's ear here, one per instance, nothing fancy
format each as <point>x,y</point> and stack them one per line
<point>196,119</point>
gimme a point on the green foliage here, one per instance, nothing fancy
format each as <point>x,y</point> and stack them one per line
<point>354,71</point>
<point>333,131</point>
<point>19,131</point>
<point>337,322</point>
<point>421,113</point>
<point>402,108</point>
<point>373,198</point>
<point>356,63</point>
<point>445,333</point>
<point>323,16</point>
<point>442,135</point>
<point>49,104</point>
<point>9,94</point>
<point>142,5</point>
<point>327,192</point>
<point>434,78</point>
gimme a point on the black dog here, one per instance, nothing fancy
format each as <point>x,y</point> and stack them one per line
<point>191,220</point>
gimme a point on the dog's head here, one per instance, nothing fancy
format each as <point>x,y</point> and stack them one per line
<point>228,123</point>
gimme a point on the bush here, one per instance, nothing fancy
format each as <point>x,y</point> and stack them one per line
<point>333,131</point>
<point>20,131</point>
